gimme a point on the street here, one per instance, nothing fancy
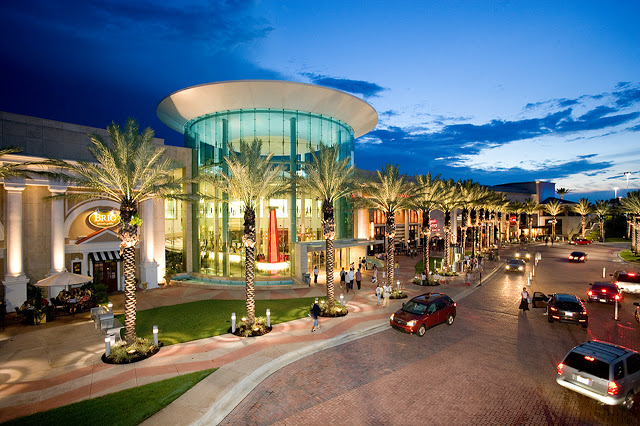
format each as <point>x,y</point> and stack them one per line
<point>494,365</point>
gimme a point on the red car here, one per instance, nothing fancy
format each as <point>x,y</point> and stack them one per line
<point>581,241</point>
<point>423,312</point>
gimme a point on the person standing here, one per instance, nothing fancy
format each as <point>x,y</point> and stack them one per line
<point>374,277</point>
<point>524,303</point>
<point>396,269</point>
<point>423,277</point>
<point>358,278</point>
<point>315,274</point>
<point>343,277</point>
<point>350,276</point>
<point>314,313</point>
<point>378,292</point>
<point>386,293</point>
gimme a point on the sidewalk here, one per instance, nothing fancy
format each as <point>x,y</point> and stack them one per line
<point>55,366</point>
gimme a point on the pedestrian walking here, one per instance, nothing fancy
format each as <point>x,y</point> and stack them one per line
<point>374,277</point>
<point>343,277</point>
<point>378,292</point>
<point>524,303</point>
<point>423,277</point>
<point>315,274</point>
<point>386,293</point>
<point>358,278</point>
<point>397,268</point>
<point>350,276</point>
<point>314,313</point>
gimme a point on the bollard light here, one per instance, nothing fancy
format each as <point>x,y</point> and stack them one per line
<point>528,281</point>
<point>533,271</point>
<point>398,284</point>
<point>110,307</point>
<point>616,313</point>
<point>342,299</point>
<point>269,317</point>
<point>112,338</point>
<point>316,300</point>
<point>233,322</point>
<point>155,335</point>
<point>603,272</point>
<point>107,346</point>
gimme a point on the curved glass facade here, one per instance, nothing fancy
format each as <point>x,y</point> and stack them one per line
<point>290,136</point>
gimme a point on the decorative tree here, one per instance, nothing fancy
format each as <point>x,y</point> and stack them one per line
<point>562,192</point>
<point>426,201</point>
<point>449,201</point>
<point>602,209</point>
<point>530,207</point>
<point>554,208</point>
<point>631,205</point>
<point>583,208</point>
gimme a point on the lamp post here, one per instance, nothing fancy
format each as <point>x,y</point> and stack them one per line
<point>155,335</point>
<point>627,174</point>
<point>615,191</point>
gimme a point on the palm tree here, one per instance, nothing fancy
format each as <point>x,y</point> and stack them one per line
<point>530,207</point>
<point>389,193</point>
<point>631,205</point>
<point>554,208</point>
<point>471,194</point>
<point>583,208</point>
<point>251,177</point>
<point>449,201</point>
<point>328,179</point>
<point>562,192</point>
<point>12,170</point>
<point>602,209</point>
<point>129,171</point>
<point>517,208</point>
<point>426,201</point>
<point>502,207</point>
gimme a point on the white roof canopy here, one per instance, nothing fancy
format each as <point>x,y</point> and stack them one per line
<point>184,105</point>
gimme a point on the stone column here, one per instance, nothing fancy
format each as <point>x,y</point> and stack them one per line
<point>148,266</point>
<point>15,281</point>
<point>57,230</point>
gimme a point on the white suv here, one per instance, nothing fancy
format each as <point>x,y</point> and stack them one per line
<point>602,371</point>
<point>628,282</point>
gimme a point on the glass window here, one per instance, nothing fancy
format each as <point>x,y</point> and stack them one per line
<point>633,363</point>
<point>618,370</point>
<point>591,366</point>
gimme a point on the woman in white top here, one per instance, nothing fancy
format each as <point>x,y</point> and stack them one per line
<point>386,293</point>
<point>524,303</point>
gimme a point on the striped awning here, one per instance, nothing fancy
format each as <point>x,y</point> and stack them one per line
<point>104,256</point>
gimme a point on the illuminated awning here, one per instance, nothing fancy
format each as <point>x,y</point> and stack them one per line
<point>104,256</point>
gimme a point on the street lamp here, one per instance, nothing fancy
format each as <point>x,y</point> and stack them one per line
<point>615,188</point>
<point>627,175</point>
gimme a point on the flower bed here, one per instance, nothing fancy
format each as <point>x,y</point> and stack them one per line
<point>338,310</point>
<point>398,294</point>
<point>121,353</point>
<point>258,328</point>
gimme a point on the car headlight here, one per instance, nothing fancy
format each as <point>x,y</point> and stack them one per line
<point>508,267</point>
<point>391,317</point>
<point>528,255</point>
<point>517,254</point>
<point>519,268</point>
<point>411,323</point>
<point>570,257</point>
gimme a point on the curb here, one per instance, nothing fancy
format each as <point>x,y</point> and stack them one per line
<point>225,405</point>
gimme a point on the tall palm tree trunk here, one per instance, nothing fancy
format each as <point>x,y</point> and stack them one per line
<point>329,233</point>
<point>128,256</point>
<point>426,236</point>
<point>530,223</point>
<point>553,229</point>
<point>584,225</point>
<point>601,223</point>
<point>446,259</point>
<point>249,240</point>
<point>390,230</point>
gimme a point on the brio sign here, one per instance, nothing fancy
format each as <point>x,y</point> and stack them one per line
<point>104,219</point>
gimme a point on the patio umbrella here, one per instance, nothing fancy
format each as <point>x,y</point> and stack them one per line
<point>63,279</point>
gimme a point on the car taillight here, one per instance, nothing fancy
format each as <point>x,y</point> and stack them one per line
<point>554,309</point>
<point>455,304</point>
<point>613,388</point>
<point>570,257</point>
<point>631,274</point>
<point>590,293</point>
<point>582,258</point>
<point>560,367</point>
<point>617,297</point>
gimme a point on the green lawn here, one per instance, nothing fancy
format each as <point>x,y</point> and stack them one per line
<point>432,261</point>
<point>629,256</point>
<point>127,407</point>
<point>206,318</point>
<point>617,240</point>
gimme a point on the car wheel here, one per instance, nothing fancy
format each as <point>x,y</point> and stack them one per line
<point>421,330</point>
<point>629,401</point>
<point>450,319</point>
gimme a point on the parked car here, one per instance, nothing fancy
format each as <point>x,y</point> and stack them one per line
<point>603,293</point>
<point>602,371</point>
<point>580,241</point>
<point>562,307</point>
<point>515,265</point>
<point>578,256</point>
<point>628,282</point>
<point>523,253</point>
<point>424,311</point>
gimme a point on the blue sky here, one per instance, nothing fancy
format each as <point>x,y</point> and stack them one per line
<point>499,91</point>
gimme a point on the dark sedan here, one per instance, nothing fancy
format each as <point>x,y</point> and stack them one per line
<point>578,256</point>
<point>562,307</point>
<point>604,293</point>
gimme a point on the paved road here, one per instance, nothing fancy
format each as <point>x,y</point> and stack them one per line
<point>494,365</point>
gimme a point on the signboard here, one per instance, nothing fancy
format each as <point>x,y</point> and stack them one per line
<point>433,224</point>
<point>512,220</point>
<point>104,219</point>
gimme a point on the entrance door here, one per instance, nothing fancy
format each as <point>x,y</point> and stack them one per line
<point>107,273</point>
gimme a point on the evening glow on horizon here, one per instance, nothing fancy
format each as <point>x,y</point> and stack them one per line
<point>496,91</point>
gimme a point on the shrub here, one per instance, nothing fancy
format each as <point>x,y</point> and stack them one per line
<point>338,310</point>
<point>398,294</point>
<point>428,282</point>
<point>258,328</point>
<point>121,353</point>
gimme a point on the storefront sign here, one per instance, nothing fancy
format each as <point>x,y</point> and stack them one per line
<point>104,219</point>
<point>433,224</point>
<point>512,220</point>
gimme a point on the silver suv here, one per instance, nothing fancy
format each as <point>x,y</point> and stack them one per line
<point>628,282</point>
<point>602,371</point>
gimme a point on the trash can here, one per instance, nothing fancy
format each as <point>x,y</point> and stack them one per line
<point>306,277</point>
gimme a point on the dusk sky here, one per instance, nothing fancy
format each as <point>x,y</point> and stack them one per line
<point>498,92</point>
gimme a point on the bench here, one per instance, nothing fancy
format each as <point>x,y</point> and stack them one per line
<point>97,311</point>
<point>114,329</point>
<point>104,321</point>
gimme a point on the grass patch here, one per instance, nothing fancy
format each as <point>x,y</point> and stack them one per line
<point>127,407</point>
<point>629,256</point>
<point>432,263</point>
<point>206,318</point>
<point>617,240</point>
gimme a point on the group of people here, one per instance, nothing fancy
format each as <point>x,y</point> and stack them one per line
<point>412,252</point>
<point>383,292</point>
<point>347,277</point>
<point>73,299</point>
